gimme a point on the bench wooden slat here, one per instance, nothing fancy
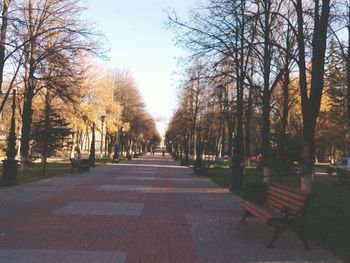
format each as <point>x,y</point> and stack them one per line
<point>279,206</point>
<point>264,211</point>
<point>254,210</point>
<point>296,194</point>
<point>285,200</point>
<point>274,204</point>
<point>283,203</point>
<point>289,189</point>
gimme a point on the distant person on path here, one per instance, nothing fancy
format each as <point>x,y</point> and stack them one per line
<point>163,153</point>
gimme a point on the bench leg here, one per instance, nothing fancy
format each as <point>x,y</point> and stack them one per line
<point>278,231</point>
<point>302,236</point>
<point>72,168</point>
<point>245,215</point>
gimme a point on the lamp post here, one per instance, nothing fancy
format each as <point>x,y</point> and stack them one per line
<point>92,156</point>
<point>9,172</point>
<point>102,118</point>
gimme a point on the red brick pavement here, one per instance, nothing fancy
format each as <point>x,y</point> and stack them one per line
<point>160,234</point>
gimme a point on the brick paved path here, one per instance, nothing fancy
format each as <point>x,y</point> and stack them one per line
<point>146,210</point>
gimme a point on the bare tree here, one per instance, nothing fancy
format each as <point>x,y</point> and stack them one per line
<point>52,30</point>
<point>3,37</point>
<point>311,94</point>
<point>221,31</point>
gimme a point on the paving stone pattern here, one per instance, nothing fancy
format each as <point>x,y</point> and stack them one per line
<point>136,178</point>
<point>52,256</point>
<point>148,210</point>
<point>123,187</point>
<point>213,220</point>
<point>99,208</point>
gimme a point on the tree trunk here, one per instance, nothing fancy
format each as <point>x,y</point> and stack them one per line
<point>218,144</point>
<point>29,93</point>
<point>266,97</point>
<point>199,149</point>
<point>265,139</point>
<point>71,155</point>
<point>26,123</point>
<point>284,121</point>
<point>238,153</point>
<point>311,104</point>
<point>348,72</point>
<point>248,116</point>
<point>286,81</point>
<point>45,149</point>
<point>44,163</point>
<point>186,150</point>
<point>223,137</point>
<point>230,132</point>
<point>3,38</point>
<point>237,160</point>
<point>308,155</point>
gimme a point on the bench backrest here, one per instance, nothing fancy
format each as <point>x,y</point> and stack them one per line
<point>280,196</point>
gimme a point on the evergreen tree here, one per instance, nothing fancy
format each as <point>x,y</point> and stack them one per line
<point>49,133</point>
<point>337,78</point>
<point>336,114</point>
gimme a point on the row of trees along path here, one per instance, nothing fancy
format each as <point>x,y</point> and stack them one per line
<point>50,55</point>
<point>264,68</point>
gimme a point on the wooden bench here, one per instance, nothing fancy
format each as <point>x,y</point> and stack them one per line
<point>30,161</point>
<point>206,168</point>
<point>81,165</point>
<point>283,208</point>
<point>203,169</point>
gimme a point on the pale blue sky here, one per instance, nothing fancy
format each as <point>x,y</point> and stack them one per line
<point>140,43</point>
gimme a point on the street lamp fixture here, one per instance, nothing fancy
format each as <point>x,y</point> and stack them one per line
<point>85,118</point>
<point>102,118</point>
